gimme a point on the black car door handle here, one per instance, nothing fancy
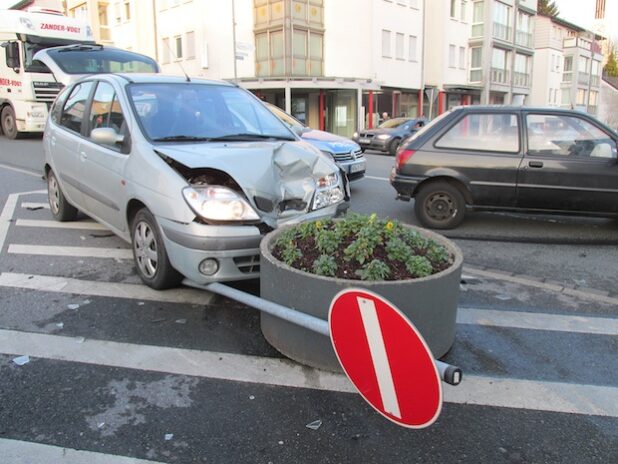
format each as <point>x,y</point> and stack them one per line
<point>535,164</point>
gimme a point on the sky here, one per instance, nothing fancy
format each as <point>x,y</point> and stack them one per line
<point>581,13</point>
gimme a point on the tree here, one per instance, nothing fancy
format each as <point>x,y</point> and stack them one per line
<point>547,8</point>
<point>611,67</point>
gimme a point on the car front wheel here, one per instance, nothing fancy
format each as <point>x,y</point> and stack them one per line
<point>60,208</point>
<point>151,260</point>
<point>440,205</point>
<point>392,147</point>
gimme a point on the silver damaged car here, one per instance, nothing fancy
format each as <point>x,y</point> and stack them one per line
<point>191,172</point>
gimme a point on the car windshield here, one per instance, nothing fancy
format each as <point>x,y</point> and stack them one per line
<point>286,118</point>
<point>392,123</point>
<point>96,59</point>
<point>192,111</point>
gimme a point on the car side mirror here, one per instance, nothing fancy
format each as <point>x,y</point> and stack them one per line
<point>106,136</point>
<point>11,51</point>
<point>299,130</point>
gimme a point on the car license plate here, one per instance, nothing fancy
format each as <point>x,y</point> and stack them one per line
<point>364,141</point>
<point>357,167</point>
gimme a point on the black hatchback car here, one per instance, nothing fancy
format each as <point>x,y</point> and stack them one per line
<point>508,158</point>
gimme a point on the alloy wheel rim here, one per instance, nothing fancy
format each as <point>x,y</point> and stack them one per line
<point>145,247</point>
<point>54,194</point>
<point>440,206</point>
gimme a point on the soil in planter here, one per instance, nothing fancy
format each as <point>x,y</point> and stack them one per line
<point>347,268</point>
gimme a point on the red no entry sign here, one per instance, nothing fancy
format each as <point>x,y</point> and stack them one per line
<point>385,357</point>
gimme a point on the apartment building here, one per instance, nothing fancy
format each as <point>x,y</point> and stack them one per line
<point>568,65</point>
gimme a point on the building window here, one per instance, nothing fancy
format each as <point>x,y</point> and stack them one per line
<point>478,15</point>
<point>118,12</point>
<point>399,38</point>
<point>566,97</point>
<point>462,57</point>
<point>190,45</point>
<point>412,48</point>
<point>414,4</point>
<point>462,10</point>
<point>567,75</point>
<point>522,70</point>
<point>581,97</point>
<point>386,44</point>
<point>178,49</point>
<point>524,29</point>
<point>165,51</point>
<point>452,49</point>
<point>453,8</point>
<point>502,21</point>
<point>127,11</point>
<point>499,72</point>
<point>593,98</point>
<point>476,64</point>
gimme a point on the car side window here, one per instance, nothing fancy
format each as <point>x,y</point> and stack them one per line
<point>106,110</point>
<point>75,107</point>
<point>563,135</point>
<point>483,132</point>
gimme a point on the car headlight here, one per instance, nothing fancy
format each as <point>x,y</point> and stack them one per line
<point>217,203</point>
<point>384,136</point>
<point>355,135</point>
<point>328,192</point>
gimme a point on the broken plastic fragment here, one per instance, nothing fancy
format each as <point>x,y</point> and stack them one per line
<point>503,297</point>
<point>73,306</point>
<point>80,339</point>
<point>169,436</point>
<point>281,442</point>
<point>251,397</point>
<point>60,325</point>
<point>314,425</point>
<point>101,425</point>
<point>21,360</point>
<point>140,303</point>
<point>180,321</point>
<point>85,302</point>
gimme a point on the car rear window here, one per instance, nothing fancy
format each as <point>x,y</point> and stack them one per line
<point>497,132</point>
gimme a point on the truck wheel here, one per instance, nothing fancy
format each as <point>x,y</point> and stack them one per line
<point>9,125</point>
<point>439,205</point>
<point>151,261</point>
<point>60,208</point>
<point>392,147</point>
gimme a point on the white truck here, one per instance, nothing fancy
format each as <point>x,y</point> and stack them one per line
<point>44,51</point>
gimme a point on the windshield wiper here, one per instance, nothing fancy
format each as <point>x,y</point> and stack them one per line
<point>182,138</point>
<point>248,136</point>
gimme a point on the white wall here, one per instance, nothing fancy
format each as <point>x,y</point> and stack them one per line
<point>548,65</point>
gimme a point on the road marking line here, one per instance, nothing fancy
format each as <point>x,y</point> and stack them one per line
<point>75,225</point>
<point>24,452</point>
<point>377,178</point>
<point>108,289</point>
<point>542,285</point>
<point>23,171</point>
<point>27,204</point>
<point>6,216</point>
<point>70,251</point>
<point>480,390</point>
<point>538,321</point>
<point>379,357</point>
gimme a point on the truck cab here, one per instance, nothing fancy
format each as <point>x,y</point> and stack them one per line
<point>41,53</point>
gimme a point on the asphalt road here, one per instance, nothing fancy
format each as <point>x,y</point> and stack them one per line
<point>182,376</point>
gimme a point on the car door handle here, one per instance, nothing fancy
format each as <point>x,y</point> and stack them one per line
<point>53,140</point>
<point>83,156</point>
<point>535,164</point>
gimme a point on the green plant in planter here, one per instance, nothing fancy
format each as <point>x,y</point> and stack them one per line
<point>361,247</point>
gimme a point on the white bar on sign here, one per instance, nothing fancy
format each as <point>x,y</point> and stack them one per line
<point>379,357</point>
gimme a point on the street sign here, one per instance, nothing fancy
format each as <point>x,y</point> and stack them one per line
<point>385,357</point>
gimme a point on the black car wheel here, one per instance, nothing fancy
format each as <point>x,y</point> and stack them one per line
<point>9,125</point>
<point>440,205</point>
<point>60,208</point>
<point>151,260</point>
<point>392,147</point>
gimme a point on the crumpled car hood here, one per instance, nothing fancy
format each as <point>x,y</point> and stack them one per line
<point>277,172</point>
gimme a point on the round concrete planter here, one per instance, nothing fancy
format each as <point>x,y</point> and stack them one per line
<point>430,303</point>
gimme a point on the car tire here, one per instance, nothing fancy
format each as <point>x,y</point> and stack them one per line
<point>9,125</point>
<point>440,205</point>
<point>151,260</point>
<point>60,208</point>
<point>392,147</point>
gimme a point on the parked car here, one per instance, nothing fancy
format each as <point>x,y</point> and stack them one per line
<point>508,158</point>
<point>388,135</point>
<point>191,172</point>
<point>346,153</point>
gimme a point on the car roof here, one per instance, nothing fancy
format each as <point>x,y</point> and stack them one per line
<point>152,78</point>
<point>513,108</point>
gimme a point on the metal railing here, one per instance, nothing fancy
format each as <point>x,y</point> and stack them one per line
<point>567,76</point>
<point>501,31</point>
<point>521,79</point>
<point>583,78</point>
<point>499,76</point>
<point>523,38</point>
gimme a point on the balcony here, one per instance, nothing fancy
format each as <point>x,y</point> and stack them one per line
<point>521,79</point>
<point>499,76</point>
<point>595,81</point>
<point>477,30</point>
<point>583,78</point>
<point>501,32</point>
<point>524,39</point>
<point>567,76</point>
<point>476,75</point>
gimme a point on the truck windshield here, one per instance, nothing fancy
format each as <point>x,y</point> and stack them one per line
<point>90,60</point>
<point>31,65</point>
